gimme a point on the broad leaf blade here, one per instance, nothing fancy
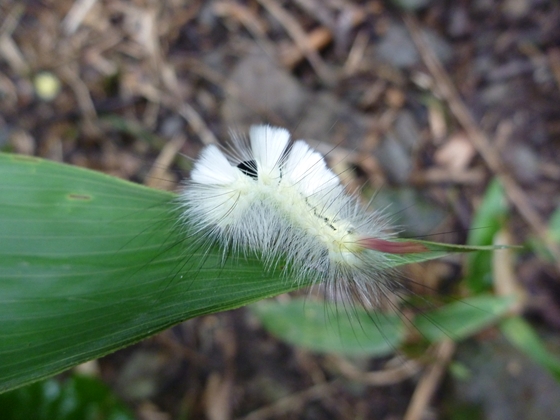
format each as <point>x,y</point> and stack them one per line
<point>329,328</point>
<point>91,263</point>
<point>488,220</point>
<point>460,319</point>
<point>523,336</point>
<point>554,225</point>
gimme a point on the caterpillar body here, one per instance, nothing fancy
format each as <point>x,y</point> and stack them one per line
<point>280,201</point>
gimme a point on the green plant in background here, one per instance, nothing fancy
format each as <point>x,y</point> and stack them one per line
<point>326,328</point>
<point>456,320</point>
<point>490,217</point>
<point>493,213</point>
<point>78,397</point>
<point>90,264</point>
<point>330,329</point>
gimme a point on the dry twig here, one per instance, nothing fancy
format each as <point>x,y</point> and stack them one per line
<point>156,176</point>
<point>389,376</point>
<point>76,15</point>
<point>430,381</point>
<point>293,402</point>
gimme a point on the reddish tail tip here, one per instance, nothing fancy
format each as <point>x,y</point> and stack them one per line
<point>391,247</point>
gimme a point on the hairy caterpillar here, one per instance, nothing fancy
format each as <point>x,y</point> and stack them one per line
<point>280,201</point>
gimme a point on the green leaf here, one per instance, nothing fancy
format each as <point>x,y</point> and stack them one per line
<point>539,247</point>
<point>463,318</point>
<point>554,225</point>
<point>90,264</point>
<point>78,398</point>
<point>523,336</point>
<point>487,221</point>
<point>490,215</point>
<point>329,328</point>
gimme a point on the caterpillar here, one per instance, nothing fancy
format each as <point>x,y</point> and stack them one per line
<point>279,200</point>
